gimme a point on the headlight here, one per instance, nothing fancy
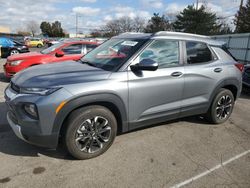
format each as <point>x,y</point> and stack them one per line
<point>38,91</point>
<point>15,63</point>
<point>31,110</point>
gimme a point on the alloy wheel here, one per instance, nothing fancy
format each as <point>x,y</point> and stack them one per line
<point>224,107</point>
<point>13,52</point>
<point>93,134</point>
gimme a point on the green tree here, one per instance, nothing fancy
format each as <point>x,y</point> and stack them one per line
<point>46,28</point>
<point>242,19</point>
<point>158,23</point>
<point>52,30</point>
<point>57,29</point>
<point>199,21</point>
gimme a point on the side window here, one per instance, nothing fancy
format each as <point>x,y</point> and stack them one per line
<point>198,53</point>
<point>90,47</point>
<point>73,49</point>
<point>164,52</point>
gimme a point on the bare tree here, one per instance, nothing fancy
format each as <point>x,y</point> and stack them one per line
<point>124,24</point>
<point>139,24</point>
<point>33,27</point>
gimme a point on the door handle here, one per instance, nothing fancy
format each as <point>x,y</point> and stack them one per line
<point>217,69</point>
<point>176,74</point>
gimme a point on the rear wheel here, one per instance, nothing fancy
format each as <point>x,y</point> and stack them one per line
<point>39,46</point>
<point>222,107</point>
<point>14,51</point>
<point>90,131</point>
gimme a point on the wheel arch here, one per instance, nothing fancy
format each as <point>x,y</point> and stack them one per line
<point>111,101</point>
<point>231,84</point>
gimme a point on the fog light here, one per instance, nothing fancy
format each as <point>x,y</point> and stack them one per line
<point>31,110</point>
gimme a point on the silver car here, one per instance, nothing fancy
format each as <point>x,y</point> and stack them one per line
<point>130,81</point>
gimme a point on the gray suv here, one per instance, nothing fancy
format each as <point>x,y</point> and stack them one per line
<point>130,81</point>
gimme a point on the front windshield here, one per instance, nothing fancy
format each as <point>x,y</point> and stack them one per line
<point>113,53</point>
<point>52,48</point>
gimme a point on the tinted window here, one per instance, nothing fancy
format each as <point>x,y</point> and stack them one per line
<point>90,47</point>
<point>73,49</point>
<point>112,54</point>
<point>164,52</point>
<point>228,52</point>
<point>198,53</point>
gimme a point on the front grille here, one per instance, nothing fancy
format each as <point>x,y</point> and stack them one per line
<point>15,87</point>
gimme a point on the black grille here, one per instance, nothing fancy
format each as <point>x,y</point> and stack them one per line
<point>15,87</point>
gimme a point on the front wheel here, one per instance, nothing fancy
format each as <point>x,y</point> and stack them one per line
<point>13,52</point>
<point>90,131</point>
<point>39,46</point>
<point>222,107</point>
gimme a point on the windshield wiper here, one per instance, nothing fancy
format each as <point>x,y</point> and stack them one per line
<point>88,63</point>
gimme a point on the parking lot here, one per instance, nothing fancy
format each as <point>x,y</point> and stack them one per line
<point>187,152</point>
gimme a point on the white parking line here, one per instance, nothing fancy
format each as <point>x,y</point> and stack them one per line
<point>210,170</point>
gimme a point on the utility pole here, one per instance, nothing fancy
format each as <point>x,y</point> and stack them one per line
<point>76,24</point>
<point>240,11</point>
<point>197,4</point>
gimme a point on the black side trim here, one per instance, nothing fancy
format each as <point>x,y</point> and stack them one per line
<point>89,99</point>
<point>227,82</point>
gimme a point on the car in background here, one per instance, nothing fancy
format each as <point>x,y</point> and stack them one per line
<point>246,77</point>
<point>57,53</point>
<point>10,47</point>
<point>35,42</point>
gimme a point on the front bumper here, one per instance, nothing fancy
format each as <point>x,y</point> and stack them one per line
<point>10,71</point>
<point>38,132</point>
<point>16,128</point>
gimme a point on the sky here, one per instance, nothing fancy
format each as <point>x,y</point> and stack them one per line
<point>15,14</point>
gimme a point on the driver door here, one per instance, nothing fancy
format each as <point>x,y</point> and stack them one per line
<point>156,95</point>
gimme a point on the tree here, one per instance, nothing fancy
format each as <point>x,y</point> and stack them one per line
<point>158,23</point>
<point>23,33</point>
<point>139,24</point>
<point>242,19</point>
<point>52,30</point>
<point>199,21</point>
<point>57,29</point>
<point>123,24</point>
<point>46,28</point>
<point>32,27</point>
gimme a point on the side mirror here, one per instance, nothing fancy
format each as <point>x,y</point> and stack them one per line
<point>145,64</point>
<point>59,54</point>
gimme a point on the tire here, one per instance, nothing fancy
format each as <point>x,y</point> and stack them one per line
<point>83,138</point>
<point>221,107</point>
<point>39,46</point>
<point>13,52</point>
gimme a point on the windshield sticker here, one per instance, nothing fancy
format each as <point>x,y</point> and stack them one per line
<point>129,43</point>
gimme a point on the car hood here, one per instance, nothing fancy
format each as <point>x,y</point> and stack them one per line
<point>24,56</point>
<point>59,74</point>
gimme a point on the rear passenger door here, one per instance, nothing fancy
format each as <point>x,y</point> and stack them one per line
<point>202,73</point>
<point>156,95</point>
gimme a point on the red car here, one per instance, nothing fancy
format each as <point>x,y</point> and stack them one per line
<point>57,53</point>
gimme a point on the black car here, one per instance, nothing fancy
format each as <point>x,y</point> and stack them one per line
<point>11,47</point>
<point>246,77</point>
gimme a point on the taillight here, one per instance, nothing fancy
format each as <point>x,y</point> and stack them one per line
<point>239,66</point>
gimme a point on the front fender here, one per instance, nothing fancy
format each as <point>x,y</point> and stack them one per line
<point>90,99</point>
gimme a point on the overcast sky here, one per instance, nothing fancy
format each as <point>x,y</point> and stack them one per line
<point>95,13</point>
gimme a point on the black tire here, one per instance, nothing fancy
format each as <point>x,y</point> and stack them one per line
<point>14,52</point>
<point>39,46</point>
<point>218,114</point>
<point>79,121</point>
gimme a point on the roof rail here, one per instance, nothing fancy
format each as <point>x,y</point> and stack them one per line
<point>169,33</point>
<point>132,33</point>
